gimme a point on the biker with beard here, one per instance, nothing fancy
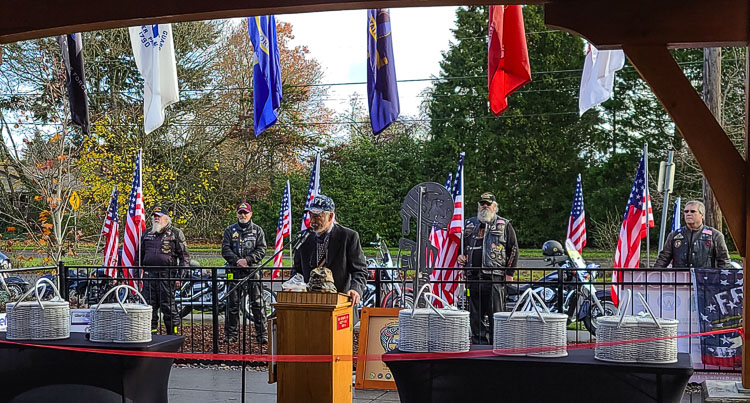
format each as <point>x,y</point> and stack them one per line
<point>164,245</point>
<point>490,253</point>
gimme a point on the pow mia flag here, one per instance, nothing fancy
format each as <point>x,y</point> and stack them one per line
<point>75,80</point>
<point>719,298</point>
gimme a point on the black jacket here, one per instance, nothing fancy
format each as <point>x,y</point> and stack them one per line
<point>345,259</point>
<point>703,248</point>
<point>243,243</point>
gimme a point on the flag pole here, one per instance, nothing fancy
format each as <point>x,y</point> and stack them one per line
<point>289,195</point>
<point>98,242</point>
<point>463,203</point>
<point>648,238</point>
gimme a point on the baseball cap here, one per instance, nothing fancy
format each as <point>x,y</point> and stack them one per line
<point>244,206</point>
<point>487,197</point>
<point>160,211</point>
<point>321,203</point>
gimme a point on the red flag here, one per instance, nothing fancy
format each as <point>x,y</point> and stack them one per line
<point>508,57</point>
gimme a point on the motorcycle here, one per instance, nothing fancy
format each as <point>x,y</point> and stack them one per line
<point>195,294</point>
<point>392,292</point>
<point>581,301</point>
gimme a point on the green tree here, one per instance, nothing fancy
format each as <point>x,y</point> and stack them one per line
<point>531,154</point>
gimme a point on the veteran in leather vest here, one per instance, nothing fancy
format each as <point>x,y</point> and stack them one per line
<point>694,244</point>
<point>489,256</point>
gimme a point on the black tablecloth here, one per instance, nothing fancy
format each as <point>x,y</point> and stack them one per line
<point>575,378</point>
<point>34,374</point>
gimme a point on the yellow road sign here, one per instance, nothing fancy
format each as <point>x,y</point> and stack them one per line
<point>75,201</point>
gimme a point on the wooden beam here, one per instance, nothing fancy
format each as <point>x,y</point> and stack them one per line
<point>29,19</point>
<point>677,23</point>
<point>720,161</point>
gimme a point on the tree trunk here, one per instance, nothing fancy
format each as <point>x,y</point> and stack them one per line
<point>712,98</point>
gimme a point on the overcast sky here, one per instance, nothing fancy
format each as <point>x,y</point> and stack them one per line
<point>338,41</point>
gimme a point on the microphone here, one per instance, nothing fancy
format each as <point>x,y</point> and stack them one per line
<point>302,237</point>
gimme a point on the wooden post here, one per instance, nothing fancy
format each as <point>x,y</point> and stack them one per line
<point>712,98</point>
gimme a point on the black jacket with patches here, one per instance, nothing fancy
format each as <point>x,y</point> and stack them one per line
<point>243,243</point>
<point>165,248</point>
<point>702,248</point>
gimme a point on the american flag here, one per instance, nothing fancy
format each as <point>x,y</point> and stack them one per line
<point>312,190</point>
<point>283,228</point>
<point>577,221</point>
<point>438,235</point>
<point>111,232</point>
<point>135,224</point>
<point>635,225</point>
<point>450,244</point>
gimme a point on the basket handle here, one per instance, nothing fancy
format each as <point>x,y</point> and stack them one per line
<point>416,300</point>
<point>536,308</point>
<point>648,308</point>
<point>119,301</point>
<point>36,290</point>
<point>625,303</point>
<point>515,308</point>
<point>445,303</point>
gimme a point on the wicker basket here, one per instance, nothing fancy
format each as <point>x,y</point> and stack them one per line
<point>444,330</point>
<point>530,331</point>
<point>613,329</point>
<point>414,327</point>
<point>449,330</point>
<point>121,322</point>
<point>39,320</point>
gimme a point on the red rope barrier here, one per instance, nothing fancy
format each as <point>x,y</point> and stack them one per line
<point>345,357</point>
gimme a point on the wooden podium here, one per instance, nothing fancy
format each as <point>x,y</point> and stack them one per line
<point>310,323</point>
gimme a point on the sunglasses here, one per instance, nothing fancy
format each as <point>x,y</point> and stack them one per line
<point>485,203</point>
<point>243,212</point>
<point>690,211</point>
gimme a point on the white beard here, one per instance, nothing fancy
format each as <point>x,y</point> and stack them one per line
<point>486,216</point>
<point>157,227</point>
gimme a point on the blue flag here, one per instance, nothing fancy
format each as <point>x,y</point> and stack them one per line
<point>382,93</point>
<point>266,72</point>
<point>676,215</point>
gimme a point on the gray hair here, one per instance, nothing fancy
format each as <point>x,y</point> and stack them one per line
<point>701,206</point>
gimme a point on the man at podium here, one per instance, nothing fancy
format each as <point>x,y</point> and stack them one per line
<point>335,247</point>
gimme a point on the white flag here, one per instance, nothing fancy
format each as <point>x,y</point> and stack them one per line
<point>598,77</point>
<point>153,48</point>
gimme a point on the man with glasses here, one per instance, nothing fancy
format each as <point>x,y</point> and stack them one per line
<point>490,253</point>
<point>334,247</point>
<point>243,247</point>
<point>694,244</point>
<point>164,245</point>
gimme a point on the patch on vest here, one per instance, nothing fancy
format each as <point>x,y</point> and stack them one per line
<point>235,236</point>
<point>707,231</point>
<point>679,236</point>
<point>500,225</point>
<point>677,243</point>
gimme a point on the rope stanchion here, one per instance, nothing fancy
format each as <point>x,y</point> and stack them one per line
<point>349,357</point>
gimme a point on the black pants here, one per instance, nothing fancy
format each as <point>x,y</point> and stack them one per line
<point>160,295</point>
<point>485,299</point>
<point>254,290</point>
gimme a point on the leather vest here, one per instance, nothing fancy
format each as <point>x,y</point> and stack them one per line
<point>493,244</point>
<point>160,249</point>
